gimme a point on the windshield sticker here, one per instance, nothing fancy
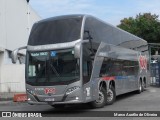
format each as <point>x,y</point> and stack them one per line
<point>53,53</point>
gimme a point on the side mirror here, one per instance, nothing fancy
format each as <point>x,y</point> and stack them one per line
<point>77,48</point>
<point>14,54</point>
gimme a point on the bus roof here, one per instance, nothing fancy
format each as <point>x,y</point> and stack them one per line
<point>68,28</point>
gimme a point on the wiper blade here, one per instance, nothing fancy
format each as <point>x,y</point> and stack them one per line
<point>54,69</point>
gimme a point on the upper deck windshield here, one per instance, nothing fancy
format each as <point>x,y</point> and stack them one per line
<point>52,68</point>
<point>56,31</point>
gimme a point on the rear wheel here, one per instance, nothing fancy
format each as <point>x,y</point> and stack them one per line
<point>101,101</point>
<point>111,96</point>
<point>140,89</point>
<point>143,85</point>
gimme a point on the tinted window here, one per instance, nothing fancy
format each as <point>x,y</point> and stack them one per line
<point>55,31</point>
<point>98,30</point>
<point>117,67</point>
<point>90,29</point>
<point>87,64</point>
<point>107,33</point>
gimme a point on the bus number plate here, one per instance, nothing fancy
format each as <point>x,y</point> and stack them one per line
<point>49,99</point>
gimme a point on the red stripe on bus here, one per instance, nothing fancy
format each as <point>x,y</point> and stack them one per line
<point>108,78</point>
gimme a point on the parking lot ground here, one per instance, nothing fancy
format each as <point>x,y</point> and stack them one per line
<point>149,100</point>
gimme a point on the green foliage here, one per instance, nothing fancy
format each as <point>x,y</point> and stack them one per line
<point>146,26</point>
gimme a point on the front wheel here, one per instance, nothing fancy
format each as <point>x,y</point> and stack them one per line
<point>101,101</point>
<point>111,95</point>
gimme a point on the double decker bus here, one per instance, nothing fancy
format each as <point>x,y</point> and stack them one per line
<point>80,59</point>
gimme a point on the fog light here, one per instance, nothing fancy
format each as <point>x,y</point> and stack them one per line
<point>77,98</point>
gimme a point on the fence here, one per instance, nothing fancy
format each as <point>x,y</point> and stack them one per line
<point>155,74</point>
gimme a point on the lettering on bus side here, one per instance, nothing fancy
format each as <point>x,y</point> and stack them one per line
<point>143,62</point>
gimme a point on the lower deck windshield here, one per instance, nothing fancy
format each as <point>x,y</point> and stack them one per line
<point>52,68</point>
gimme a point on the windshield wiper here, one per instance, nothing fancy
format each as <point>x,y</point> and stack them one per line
<point>54,70</point>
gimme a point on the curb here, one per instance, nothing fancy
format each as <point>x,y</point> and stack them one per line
<point>11,103</point>
<point>6,99</point>
<point>19,97</point>
<point>6,102</point>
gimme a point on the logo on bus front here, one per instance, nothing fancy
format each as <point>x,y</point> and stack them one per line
<point>49,90</point>
<point>143,62</point>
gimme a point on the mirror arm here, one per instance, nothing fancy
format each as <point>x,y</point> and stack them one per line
<point>15,52</point>
<point>24,47</point>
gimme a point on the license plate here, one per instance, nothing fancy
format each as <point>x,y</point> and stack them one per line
<point>49,99</point>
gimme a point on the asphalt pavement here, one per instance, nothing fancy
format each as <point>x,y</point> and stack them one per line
<point>149,100</point>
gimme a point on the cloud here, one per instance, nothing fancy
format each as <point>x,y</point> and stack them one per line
<point>111,11</point>
<point>152,6</point>
<point>49,8</point>
<point>58,7</point>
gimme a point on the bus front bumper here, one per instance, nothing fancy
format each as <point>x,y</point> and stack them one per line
<point>52,103</point>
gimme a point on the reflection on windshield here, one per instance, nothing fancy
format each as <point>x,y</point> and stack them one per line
<point>53,66</point>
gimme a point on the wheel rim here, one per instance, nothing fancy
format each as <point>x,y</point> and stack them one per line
<point>100,98</point>
<point>109,95</point>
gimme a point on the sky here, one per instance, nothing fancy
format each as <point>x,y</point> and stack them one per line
<point>111,11</point>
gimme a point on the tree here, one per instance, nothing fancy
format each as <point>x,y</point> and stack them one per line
<point>146,26</point>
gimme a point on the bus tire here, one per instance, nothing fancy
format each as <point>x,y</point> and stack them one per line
<point>101,102</point>
<point>140,88</point>
<point>111,96</point>
<point>58,106</point>
<point>143,86</point>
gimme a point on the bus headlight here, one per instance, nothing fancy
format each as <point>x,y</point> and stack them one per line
<point>70,90</point>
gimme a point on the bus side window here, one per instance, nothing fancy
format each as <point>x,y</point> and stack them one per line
<point>86,35</point>
<point>106,67</point>
<point>85,71</point>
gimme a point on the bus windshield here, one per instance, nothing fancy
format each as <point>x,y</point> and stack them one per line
<point>52,68</point>
<point>55,31</point>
